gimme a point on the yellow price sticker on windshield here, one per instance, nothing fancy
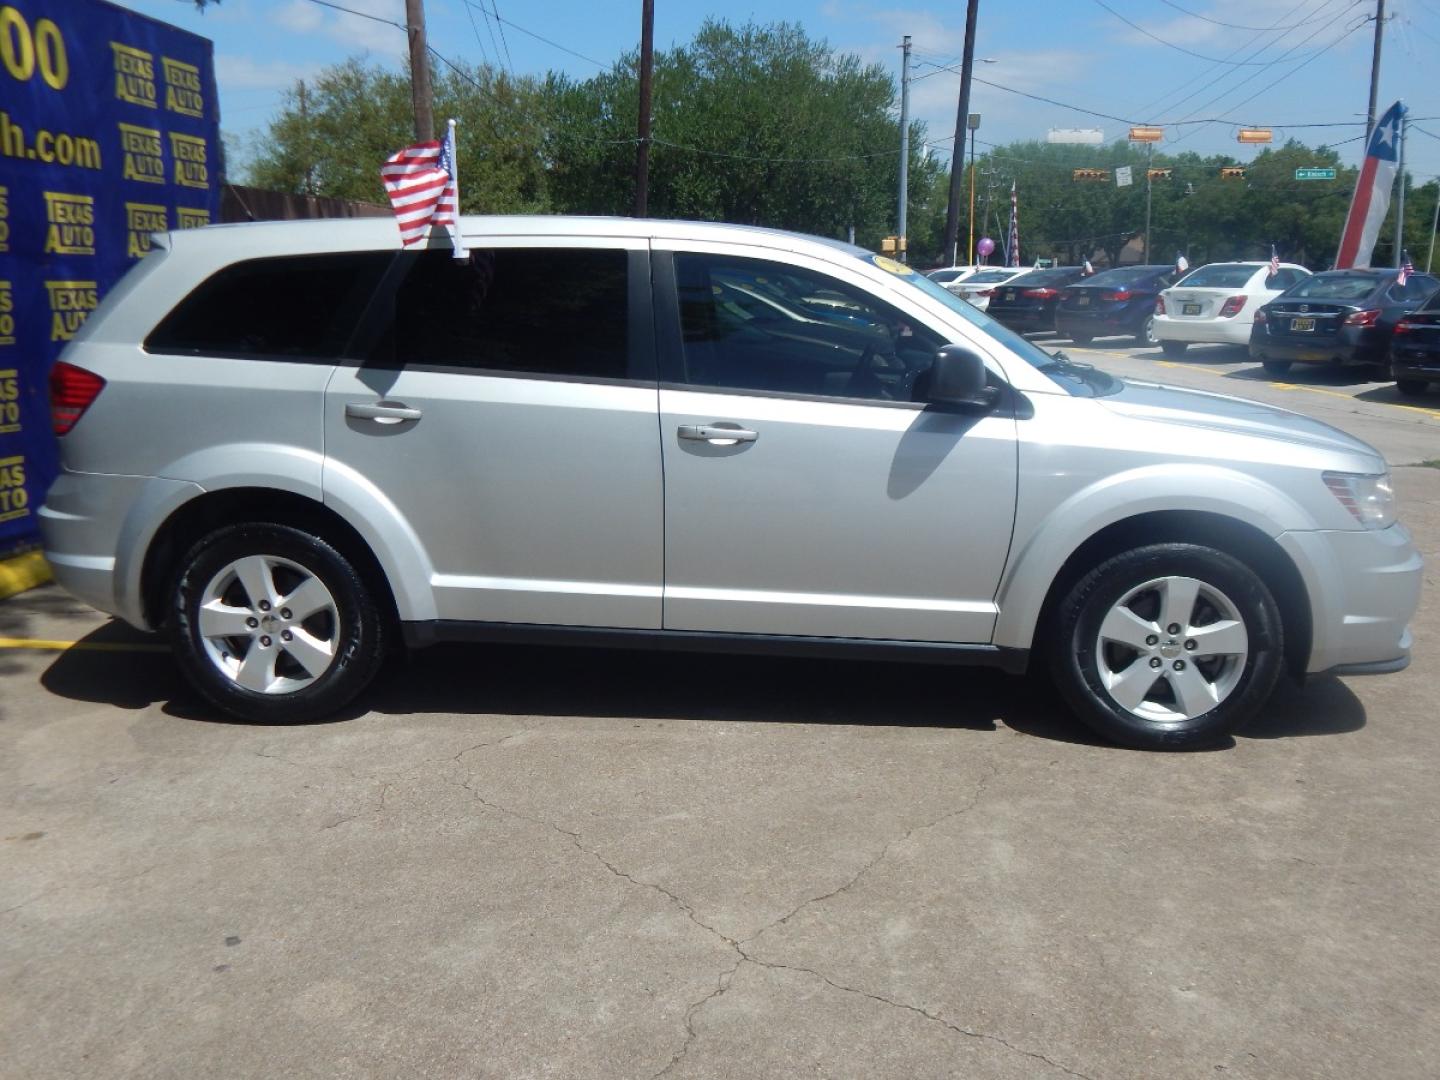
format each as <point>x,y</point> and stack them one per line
<point>891,265</point>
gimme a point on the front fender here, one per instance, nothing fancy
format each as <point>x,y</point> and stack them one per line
<point>1044,543</point>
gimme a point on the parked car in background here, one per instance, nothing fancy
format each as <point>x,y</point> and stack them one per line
<point>1028,302</point>
<point>980,286</point>
<point>952,275</point>
<point>1415,348</point>
<point>1336,317</point>
<point>1118,301</point>
<point>1216,303</point>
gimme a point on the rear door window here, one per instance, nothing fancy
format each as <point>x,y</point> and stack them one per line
<point>561,312</point>
<point>301,307</point>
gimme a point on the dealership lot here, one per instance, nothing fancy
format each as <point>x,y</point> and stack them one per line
<point>521,863</point>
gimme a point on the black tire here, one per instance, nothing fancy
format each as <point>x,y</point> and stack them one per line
<point>1275,367</point>
<point>1076,655</point>
<point>1145,336</point>
<point>1082,339</point>
<point>1174,349</point>
<point>1410,387</point>
<point>350,625</point>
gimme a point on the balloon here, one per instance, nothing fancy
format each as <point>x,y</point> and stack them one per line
<point>985,247</point>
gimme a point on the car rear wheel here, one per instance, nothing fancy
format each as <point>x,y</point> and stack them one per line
<point>1167,647</point>
<point>272,624</point>
<point>1275,367</point>
<point>1410,387</point>
<point>1146,334</point>
<point>1174,349</point>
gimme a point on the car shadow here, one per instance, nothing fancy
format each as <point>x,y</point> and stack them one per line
<point>1206,355</point>
<point>584,682</point>
<point>1389,394</point>
<point>1309,375</point>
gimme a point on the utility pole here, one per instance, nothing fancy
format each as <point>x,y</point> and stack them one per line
<point>904,148</point>
<point>1434,225</point>
<point>309,150</point>
<point>1149,184</point>
<point>1375,68</point>
<point>972,125</point>
<point>1400,199</point>
<point>642,150</point>
<point>962,114</point>
<point>420,95</point>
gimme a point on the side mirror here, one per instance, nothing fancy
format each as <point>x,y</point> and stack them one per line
<point>957,381</point>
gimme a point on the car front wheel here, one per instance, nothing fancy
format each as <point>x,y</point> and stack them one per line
<point>1146,334</point>
<point>274,625</point>
<point>1167,647</point>
<point>1410,387</point>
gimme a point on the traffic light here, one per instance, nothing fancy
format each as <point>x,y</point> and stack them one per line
<point>1232,172</point>
<point>893,245</point>
<point>1091,174</point>
<point>1158,174</point>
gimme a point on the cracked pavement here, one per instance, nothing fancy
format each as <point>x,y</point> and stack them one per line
<point>515,863</point>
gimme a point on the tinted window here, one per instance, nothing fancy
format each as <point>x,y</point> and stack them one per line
<point>1339,286</point>
<point>1128,275</point>
<point>754,325</point>
<point>1059,276</point>
<point>1416,287</point>
<point>547,311</point>
<point>942,276</point>
<point>1282,278</point>
<point>303,306</point>
<point>986,277</point>
<point>1221,276</point>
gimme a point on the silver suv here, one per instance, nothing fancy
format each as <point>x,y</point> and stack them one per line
<point>286,444</point>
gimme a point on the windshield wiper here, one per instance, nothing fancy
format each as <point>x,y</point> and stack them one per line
<point>1060,362</point>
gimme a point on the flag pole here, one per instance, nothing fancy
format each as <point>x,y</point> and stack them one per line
<point>457,244</point>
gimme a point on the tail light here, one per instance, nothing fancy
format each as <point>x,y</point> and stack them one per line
<point>1040,294</point>
<point>1363,318</point>
<point>1159,305</point>
<point>1232,306</point>
<point>72,391</point>
<point>1261,318</point>
<point>1404,326</point>
<point>986,292</point>
<point>1121,294</point>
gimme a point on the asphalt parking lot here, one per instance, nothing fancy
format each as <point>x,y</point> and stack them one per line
<point>514,863</point>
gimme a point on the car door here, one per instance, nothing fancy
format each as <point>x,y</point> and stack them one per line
<point>807,492</point>
<point>506,417</point>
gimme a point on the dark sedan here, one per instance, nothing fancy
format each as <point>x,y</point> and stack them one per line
<point>1028,302</point>
<point>1119,301</point>
<point>1336,317</point>
<point>1415,348</point>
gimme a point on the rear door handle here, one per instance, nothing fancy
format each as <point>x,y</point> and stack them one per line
<point>382,412</point>
<point>714,433</point>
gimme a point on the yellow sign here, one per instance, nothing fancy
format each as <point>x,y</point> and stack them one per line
<point>142,219</point>
<point>7,314</point>
<point>143,154</point>
<point>134,75</point>
<point>9,401</point>
<point>182,88</point>
<point>1255,135</point>
<point>14,500</point>
<point>71,219</point>
<point>70,303</point>
<point>189,154</point>
<point>1146,134</point>
<point>188,218</point>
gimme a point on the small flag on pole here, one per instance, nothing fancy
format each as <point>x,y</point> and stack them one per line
<point>1088,268</point>
<point>1181,263</point>
<point>424,188</point>
<point>1274,262</point>
<point>1406,269</point>
<point>1012,241</point>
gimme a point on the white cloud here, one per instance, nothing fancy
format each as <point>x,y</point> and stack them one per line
<point>244,73</point>
<point>300,16</point>
<point>355,32</point>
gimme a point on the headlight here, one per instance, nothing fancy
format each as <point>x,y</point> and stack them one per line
<point>1370,499</point>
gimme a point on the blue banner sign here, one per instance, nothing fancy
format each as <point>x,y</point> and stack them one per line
<point>109,131</point>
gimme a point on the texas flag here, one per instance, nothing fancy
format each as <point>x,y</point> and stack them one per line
<point>1371,200</point>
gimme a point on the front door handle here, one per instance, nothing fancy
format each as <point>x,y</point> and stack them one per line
<point>382,412</point>
<point>717,434</point>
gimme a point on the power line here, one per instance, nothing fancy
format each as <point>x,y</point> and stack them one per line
<point>539,37</point>
<point>495,10</point>
<point>363,14</point>
<point>1171,44</point>
<point>1231,26</point>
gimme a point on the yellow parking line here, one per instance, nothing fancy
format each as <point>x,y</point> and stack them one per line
<point>1431,413</point>
<point>48,645</point>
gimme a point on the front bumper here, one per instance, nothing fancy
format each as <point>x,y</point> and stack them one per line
<point>1409,363</point>
<point>1202,331</point>
<point>1364,589</point>
<point>95,529</point>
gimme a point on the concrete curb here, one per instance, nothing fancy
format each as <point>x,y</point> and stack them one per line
<point>20,572</point>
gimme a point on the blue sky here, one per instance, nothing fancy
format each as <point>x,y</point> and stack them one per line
<point>1101,55</point>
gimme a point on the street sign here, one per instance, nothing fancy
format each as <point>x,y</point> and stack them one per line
<point>1123,177</point>
<point>1314,174</point>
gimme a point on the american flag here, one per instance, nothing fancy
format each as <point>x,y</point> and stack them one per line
<point>424,190</point>
<point>1012,242</point>
<point>1274,262</point>
<point>1181,263</point>
<point>1406,268</point>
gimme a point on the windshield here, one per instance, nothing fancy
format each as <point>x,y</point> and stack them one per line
<point>1076,379</point>
<point>1335,287</point>
<point>986,277</point>
<point>1125,276</point>
<point>942,276</point>
<point>1059,276</point>
<point>1220,276</point>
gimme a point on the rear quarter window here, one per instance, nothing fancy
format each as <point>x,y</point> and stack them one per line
<point>301,307</point>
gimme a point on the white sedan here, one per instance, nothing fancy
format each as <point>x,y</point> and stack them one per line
<point>978,286</point>
<point>1217,303</point>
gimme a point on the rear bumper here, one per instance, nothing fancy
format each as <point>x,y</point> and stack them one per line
<point>1024,320</point>
<point>1364,589</point>
<point>1202,331</point>
<point>1350,346</point>
<point>1099,323</point>
<point>95,529</point>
